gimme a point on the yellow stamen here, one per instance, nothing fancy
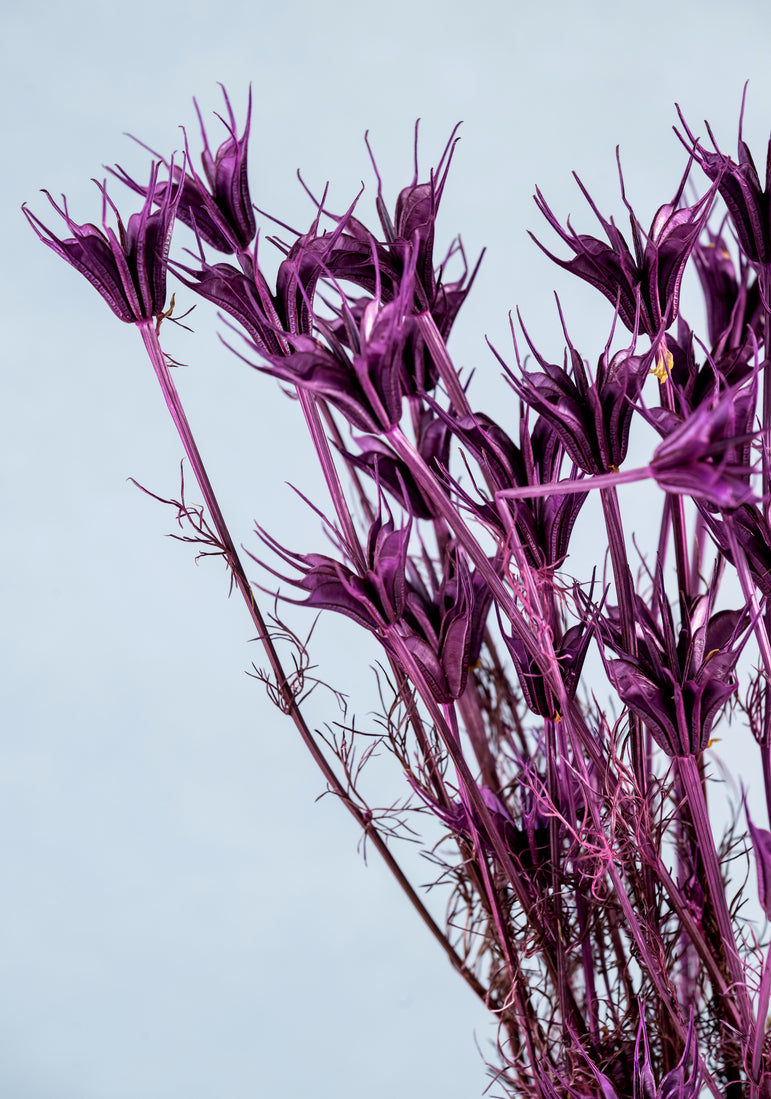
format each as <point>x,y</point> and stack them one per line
<point>664,364</point>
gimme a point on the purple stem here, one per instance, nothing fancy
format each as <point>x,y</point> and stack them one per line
<point>760,1029</point>
<point>321,445</point>
<point>573,484</point>
<point>627,612</point>
<point>694,791</point>
<point>437,349</point>
<point>760,627</point>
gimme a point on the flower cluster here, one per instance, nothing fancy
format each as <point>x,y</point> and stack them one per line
<point>591,905</point>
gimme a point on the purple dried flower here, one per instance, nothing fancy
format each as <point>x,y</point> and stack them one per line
<point>644,286</point>
<point>679,1082</point>
<point>682,1082</point>
<point>218,208</point>
<point>365,384</point>
<point>128,269</point>
<point>499,458</point>
<point>570,653</point>
<point>438,624</point>
<point>732,301</point>
<point>590,416</point>
<point>677,686</point>
<point>444,625</point>
<point>244,295</point>
<point>747,527</point>
<point>413,226</point>
<point>749,204</point>
<point>544,523</point>
<point>348,252</point>
<point>375,597</point>
<point>705,454</point>
<point>378,461</point>
<point>529,844</point>
<point>644,1080</point>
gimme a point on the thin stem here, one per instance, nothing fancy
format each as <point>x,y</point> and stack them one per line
<point>675,509</point>
<point>308,404</point>
<point>762,1015</point>
<point>694,791</point>
<point>627,613</point>
<point>438,351</point>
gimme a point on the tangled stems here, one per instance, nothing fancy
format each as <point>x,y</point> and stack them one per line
<point>590,903</point>
<point>149,333</point>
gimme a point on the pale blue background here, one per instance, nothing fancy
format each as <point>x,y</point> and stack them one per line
<point>179,916</point>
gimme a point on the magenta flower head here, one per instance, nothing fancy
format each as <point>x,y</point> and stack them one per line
<point>218,207</point>
<point>365,381</point>
<point>681,1082</point>
<point>376,459</point>
<point>128,268</point>
<point>732,301</point>
<point>444,625</point>
<point>749,204</point>
<point>570,653</point>
<point>684,1080</point>
<point>374,594</point>
<point>677,685</point>
<point>245,296</point>
<point>644,284</point>
<point>438,625</point>
<point>590,416</point>
<point>526,837</point>
<point>705,454</point>
<point>414,226</point>
<point>748,528</point>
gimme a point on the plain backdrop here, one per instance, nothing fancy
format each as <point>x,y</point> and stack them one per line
<point>180,916</point>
